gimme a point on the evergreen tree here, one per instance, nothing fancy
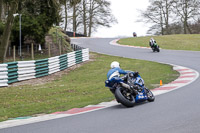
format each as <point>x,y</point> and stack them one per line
<point>37,18</point>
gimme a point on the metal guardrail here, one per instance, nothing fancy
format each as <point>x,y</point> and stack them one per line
<point>76,47</point>
<point>73,34</point>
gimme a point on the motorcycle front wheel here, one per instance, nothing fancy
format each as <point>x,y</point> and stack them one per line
<point>158,50</point>
<point>123,97</point>
<point>150,95</point>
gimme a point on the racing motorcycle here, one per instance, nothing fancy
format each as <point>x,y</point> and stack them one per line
<point>155,47</point>
<point>129,89</point>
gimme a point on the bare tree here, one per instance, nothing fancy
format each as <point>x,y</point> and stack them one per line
<point>65,4</point>
<point>1,9</point>
<point>73,4</point>
<point>158,13</point>
<point>166,7</point>
<point>85,2</point>
<point>195,27</point>
<point>7,30</point>
<point>99,15</point>
<point>66,14</point>
<point>186,10</point>
<point>154,15</point>
<point>87,15</point>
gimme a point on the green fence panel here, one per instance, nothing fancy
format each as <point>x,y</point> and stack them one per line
<point>12,72</point>
<point>63,62</point>
<point>41,68</point>
<point>79,57</point>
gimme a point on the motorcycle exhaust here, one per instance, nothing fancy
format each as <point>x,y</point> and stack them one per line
<point>128,87</point>
<point>125,86</point>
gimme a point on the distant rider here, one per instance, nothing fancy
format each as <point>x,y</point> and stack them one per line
<point>134,34</point>
<point>152,42</point>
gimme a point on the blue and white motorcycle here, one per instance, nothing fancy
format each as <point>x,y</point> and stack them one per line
<point>129,89</point>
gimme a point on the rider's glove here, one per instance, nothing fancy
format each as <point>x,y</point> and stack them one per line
<point>136,74</point>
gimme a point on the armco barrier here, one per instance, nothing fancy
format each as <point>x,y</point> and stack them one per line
<point>26,70</point>
<point>22,70</point>
<point>12,72</point>
<point>3,75</point>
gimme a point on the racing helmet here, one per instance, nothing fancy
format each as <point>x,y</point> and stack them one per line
<point>114,64</point>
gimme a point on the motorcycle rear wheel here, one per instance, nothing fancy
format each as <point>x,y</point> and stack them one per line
<point>121,97</point>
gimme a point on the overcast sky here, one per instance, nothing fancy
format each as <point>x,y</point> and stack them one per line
<point>126,13</point>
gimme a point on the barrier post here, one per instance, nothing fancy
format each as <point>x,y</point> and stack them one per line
<point>59,45</point>
<point>14,53</point>
<point>49,50</point>
<point>32,51</point>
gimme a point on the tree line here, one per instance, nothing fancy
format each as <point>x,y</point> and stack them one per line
<point>85,16</point>
<point>38,16</point>
<point>172,17</point>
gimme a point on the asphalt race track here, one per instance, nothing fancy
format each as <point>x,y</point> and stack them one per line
<point>174,112</point>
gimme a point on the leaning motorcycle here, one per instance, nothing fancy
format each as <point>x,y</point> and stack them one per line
<point>129,89</point>
<point>155,48</point>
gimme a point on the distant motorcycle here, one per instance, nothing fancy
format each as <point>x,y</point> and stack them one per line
<point>155,48</point>
<point>129,89</point>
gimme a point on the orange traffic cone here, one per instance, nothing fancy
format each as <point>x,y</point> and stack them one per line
<point>161,83</point>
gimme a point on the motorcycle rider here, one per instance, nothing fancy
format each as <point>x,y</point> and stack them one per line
<point>152,42</point>
<point>128,89</point>
<point>134,34</point>
<point>115,72</point>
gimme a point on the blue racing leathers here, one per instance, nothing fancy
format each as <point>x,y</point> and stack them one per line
<point>113,75</point>
<point>115,72</point>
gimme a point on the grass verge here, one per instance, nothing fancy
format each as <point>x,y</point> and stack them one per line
<point>175,42</point>
<point>78,88</point>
